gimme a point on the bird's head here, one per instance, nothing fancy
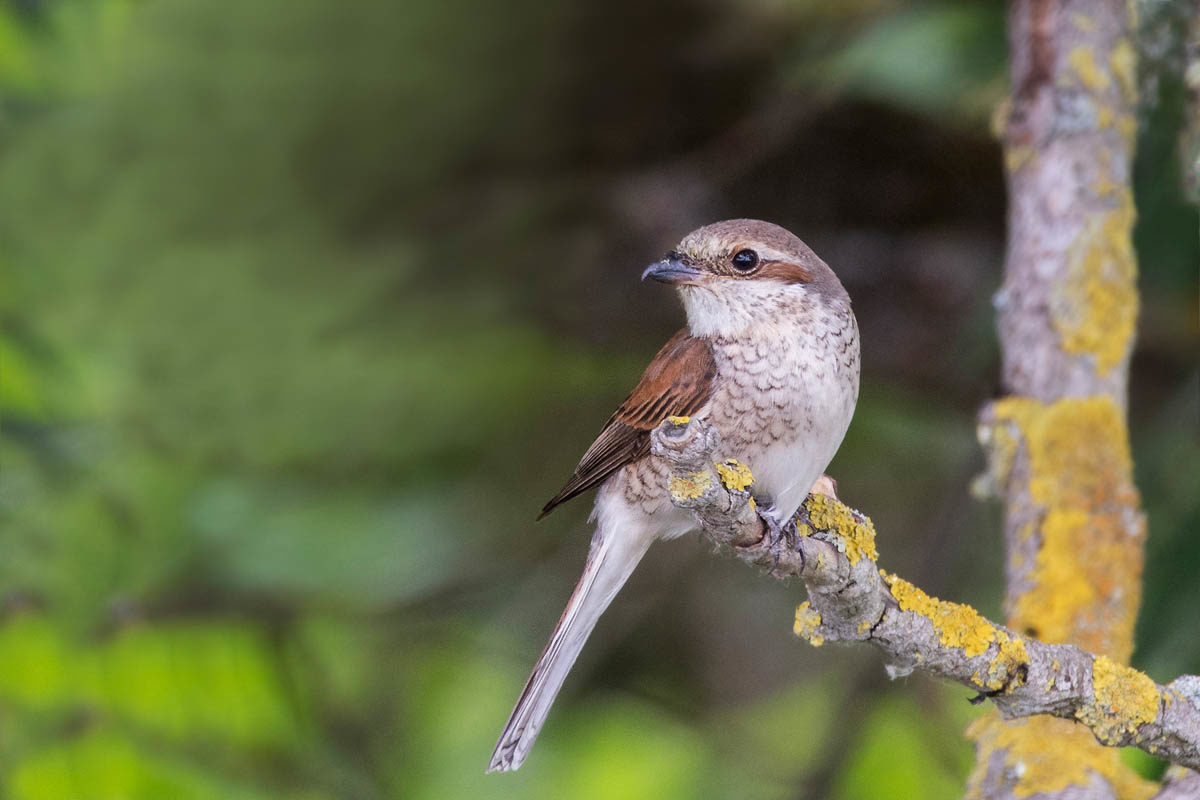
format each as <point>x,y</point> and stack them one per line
<point>742,273</point>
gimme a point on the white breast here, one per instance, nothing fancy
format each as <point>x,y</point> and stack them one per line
<point>785,395</point>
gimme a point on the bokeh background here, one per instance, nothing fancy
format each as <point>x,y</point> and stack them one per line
<point>306,308</point>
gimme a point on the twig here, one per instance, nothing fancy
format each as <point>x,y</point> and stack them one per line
<point>851,599</point>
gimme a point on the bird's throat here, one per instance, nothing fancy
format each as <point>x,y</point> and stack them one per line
<point>746,310</point>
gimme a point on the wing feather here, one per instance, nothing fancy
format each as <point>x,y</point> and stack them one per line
<point>678,382</point>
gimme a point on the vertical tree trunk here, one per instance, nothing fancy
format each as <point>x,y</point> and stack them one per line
<point>1190,136</point>
<point>1058,444</point>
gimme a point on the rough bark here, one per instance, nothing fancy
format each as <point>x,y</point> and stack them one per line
<point>1179,784</point>
<point>852,599</point>
<point>1058,445</point>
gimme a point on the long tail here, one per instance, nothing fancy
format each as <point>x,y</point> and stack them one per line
<point>613,556</point>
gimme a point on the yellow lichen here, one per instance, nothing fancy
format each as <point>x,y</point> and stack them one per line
<point>1044,755</point>
<point>1084,585</point>
<point>855,539</point>
<point>1053,675</point>
<point>691,486</point>
<point>1061,591</point>
<point>1001,449</point>
<point>1106,182</point>
<point>1016,157</point>
<point>1094,308</point>
<point>1019,557</point>
<point>1077,450</point>
<point>1003,669</point>
<point>1124,67</point>
<point>1127,127</point>
<point>864,626</point>
<point>679,420</point>
<point>808,621</point>
<point>1105,185</point>
<point>1083,22</point>
<point>1081,60</point>
<point>735,475</point>
<point>958,625</point>
<point>1085,577</point>
<point>1123,700</point>
<point>999,119</point>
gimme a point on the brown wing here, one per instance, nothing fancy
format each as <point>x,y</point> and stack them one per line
<point>678,382</point>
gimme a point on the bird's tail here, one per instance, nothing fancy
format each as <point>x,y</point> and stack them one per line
<point>613,556</point>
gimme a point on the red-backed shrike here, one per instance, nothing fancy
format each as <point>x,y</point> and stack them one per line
<point>769,357</point>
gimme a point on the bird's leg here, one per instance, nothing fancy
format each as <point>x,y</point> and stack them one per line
<point>779,536</point>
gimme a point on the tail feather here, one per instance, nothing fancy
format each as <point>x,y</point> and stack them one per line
<point>611,561</point>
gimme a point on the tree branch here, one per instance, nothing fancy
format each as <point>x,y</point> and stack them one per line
<point>851,599</point>
<point>1058,444</point>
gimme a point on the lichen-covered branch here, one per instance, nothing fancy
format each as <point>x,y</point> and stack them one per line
<point>1068,308</point>
<point>851,599</point>
<point>1067,314</point>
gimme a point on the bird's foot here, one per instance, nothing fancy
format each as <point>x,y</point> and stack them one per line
<point>779,537</point>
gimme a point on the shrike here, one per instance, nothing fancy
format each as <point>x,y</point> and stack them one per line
<point>770,357</point>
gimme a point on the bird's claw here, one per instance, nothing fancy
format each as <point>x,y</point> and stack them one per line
<point>779,537</point>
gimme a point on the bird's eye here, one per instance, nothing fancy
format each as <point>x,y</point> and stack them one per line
<point>745,260</point>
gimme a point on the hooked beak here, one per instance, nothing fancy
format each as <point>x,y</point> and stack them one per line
<point>672,270</point>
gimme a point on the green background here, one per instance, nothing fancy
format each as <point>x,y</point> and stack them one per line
<point>307,307</point>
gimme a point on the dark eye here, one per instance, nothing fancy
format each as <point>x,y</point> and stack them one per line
<point>745,260</point>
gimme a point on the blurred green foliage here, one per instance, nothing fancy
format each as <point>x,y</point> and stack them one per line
<point>304,310</point>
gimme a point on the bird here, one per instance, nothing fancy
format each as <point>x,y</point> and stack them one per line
<point>769,357</point>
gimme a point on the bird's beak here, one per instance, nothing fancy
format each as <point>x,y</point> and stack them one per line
<point>672,270</point>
